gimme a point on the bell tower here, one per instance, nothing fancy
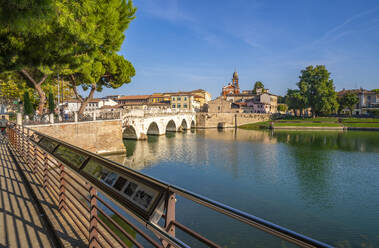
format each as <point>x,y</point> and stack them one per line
<point>235,83</point>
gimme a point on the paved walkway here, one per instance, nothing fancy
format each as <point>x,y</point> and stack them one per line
<point>20,225</point>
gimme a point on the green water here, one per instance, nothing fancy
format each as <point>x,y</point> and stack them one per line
<point>321,184</point>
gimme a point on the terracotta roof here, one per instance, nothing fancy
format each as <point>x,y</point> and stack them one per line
<point>134,97</point>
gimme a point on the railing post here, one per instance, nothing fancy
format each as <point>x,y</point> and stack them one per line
<point>62,190</point>
<point>44,169</point>
<point>28,159</point>
<point>22,142</point>
<point>34,159</point>
<point>93,240</point>
<point>170,217</point>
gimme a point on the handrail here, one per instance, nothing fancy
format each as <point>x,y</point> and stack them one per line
<point>163,233</point>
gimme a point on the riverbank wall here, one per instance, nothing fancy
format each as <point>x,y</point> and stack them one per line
<point>102,137</point>
<point>228,120</point>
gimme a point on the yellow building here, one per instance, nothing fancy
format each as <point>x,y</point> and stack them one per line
<point>184,102</point>
<point>156,98</point>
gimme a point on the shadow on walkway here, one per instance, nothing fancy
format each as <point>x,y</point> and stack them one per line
<point>20,225</point>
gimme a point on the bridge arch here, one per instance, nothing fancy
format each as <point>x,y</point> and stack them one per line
<point>193,124</point>
<point>153,129</point>
<point>184,125</point>
<point>171,126</point>
<point>129,132</point>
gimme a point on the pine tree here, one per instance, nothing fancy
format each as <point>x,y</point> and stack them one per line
<point>104,67</point>
<point>51,103</point>
<point>28,107</point>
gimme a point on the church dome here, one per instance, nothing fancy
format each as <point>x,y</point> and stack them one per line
<point>235,76</point>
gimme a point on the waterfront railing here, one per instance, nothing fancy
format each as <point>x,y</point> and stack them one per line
<point>108,202</point>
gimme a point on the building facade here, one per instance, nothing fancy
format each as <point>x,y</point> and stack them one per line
<point>368,101</point>
<point>184,102</point>
<point>247,101</point>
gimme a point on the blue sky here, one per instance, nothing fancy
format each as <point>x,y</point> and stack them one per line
<point>190,44</point>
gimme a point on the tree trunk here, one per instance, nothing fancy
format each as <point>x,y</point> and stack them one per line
<point>87,99</point>
<point>38,88</point>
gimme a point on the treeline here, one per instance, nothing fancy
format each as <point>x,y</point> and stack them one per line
<point>317,92</point>
<point>78,40</point>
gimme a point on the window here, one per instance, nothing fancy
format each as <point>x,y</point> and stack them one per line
<point>173,106</point>
<point>178,105</point>
<point>185,106</point>
<point>185,98</point>
<point>173,98</point>
<point>179,98</point>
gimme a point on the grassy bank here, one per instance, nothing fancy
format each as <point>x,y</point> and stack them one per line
<point>258,125</point>
<point>316,122</point>
<point>303,119</point>
<point>306,124</point>
<point>362,124</point>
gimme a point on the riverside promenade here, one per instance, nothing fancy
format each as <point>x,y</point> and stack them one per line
<point>22,218</point>
<point>20,223</point>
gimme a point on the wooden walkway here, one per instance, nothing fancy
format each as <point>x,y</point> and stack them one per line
<point>20,224</point>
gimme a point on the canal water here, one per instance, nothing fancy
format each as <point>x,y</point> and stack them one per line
<point>321,184</point>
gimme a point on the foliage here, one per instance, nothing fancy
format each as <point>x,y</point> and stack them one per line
<point>317,87</point>
<point>12,88</point>
<point>348,100</point>
<point>374,112</point>
<point>375,90</point>
<point>25,15</point>
<point>282,108</point>
<point>65,35</point>
<point>104,67</point>
<point>281,99</point>
<point>258,85</point>
<point>28,107</point>
<point>296,101</point>
<point>51,102</point>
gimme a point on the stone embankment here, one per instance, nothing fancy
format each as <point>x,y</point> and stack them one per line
<point>228,120</point>
<point>101,137</point>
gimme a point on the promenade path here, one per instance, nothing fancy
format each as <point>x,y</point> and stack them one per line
<point>21,224</point>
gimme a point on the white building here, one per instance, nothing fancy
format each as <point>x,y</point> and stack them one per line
<point>73,105</point>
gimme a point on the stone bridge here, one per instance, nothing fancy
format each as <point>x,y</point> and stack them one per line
<point>137,125</point>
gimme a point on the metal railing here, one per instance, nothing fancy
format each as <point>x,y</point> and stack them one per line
<point>93,191</point>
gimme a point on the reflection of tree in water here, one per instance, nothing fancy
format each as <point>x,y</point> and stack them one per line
<point>313,172</point>
<point>346,141</point>
<point>311,165</point>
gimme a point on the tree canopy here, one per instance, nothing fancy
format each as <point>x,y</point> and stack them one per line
<point>258,85</point>
<point>317,87</point>
<point>348,100</point>
<point>104,67</point>
<point>78,38</point>
<point>296,101</point>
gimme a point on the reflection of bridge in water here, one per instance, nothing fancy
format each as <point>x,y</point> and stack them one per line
<point>141,154</point>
